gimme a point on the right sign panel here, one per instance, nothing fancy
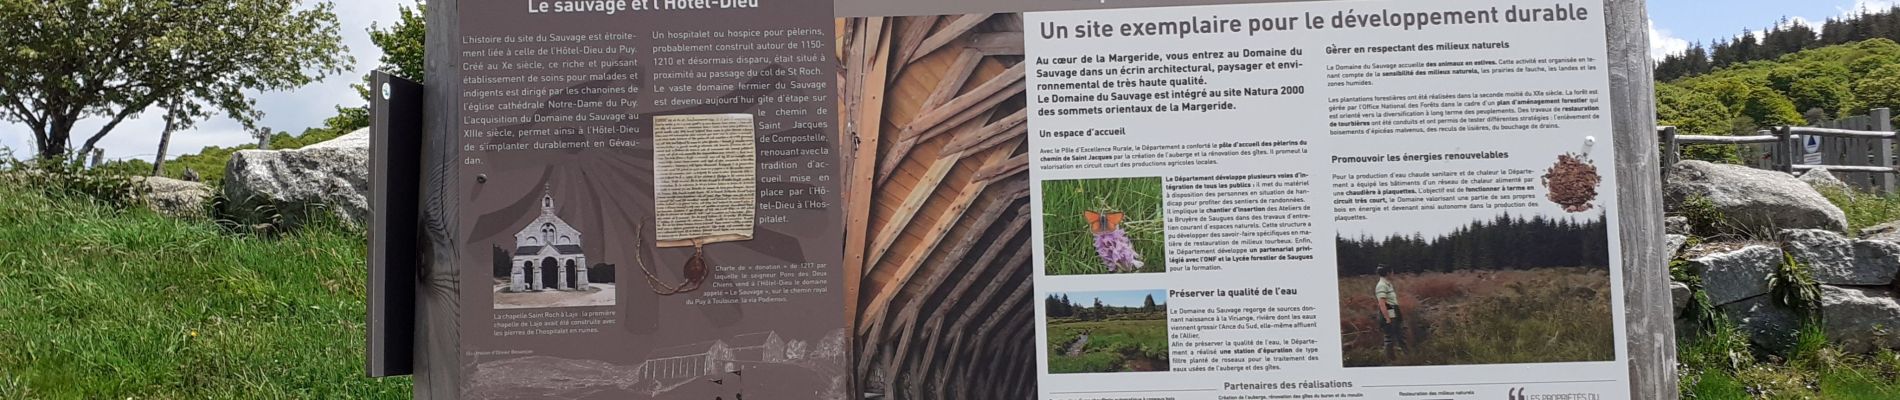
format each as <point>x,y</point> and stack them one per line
<point>1391,200</point>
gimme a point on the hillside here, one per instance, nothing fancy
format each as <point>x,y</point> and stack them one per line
<point>99,303</point>
<point>1794,89</point>
<point>209,162</point>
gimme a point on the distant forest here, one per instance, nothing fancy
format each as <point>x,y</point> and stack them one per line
<point>1059,306</point>
<point>1807,87</point>
<point>1787,37</point>
<point>1501,243</point>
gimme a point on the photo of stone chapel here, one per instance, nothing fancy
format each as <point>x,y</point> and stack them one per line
<point>548,267</point>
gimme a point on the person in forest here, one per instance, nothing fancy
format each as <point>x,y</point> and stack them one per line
<point>1391,322</point>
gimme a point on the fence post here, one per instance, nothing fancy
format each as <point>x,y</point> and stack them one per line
<point>1883,121</point>
<point>1783,149</point>
<point>1672,151</point>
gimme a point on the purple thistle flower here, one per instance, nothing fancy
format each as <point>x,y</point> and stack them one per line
<point>1118,254</point>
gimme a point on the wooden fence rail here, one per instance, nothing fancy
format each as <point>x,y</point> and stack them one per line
<point>1861,145</point>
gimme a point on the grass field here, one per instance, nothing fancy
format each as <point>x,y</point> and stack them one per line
<point>1717,364</point>
<point>1070,245</point>
<point>1113,345</point>
<point>97,303</point>
<point>1485,317</point>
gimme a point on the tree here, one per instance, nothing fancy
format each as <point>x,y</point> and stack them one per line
<point>1148,304</point>
<point>1879,89</point>
<point>62,61</point>
<point>402,45</point>
<point>1504,242</point>
<point>1769,108</point>
<point>1813,85</point>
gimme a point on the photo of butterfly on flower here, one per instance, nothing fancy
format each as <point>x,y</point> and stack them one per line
<point>1103,226</point>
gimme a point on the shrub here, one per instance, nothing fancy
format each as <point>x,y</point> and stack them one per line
<point>1792,286</point>
<point>69,179</point>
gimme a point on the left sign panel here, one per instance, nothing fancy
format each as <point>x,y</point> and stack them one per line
<point>649,200</point>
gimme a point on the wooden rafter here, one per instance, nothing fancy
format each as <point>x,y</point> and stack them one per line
<point>907,267</point>
<point>991,92</point>
<point>900,218</point>
<point>966,142</point>
<point>953,79</point>
<point>950,32</point>
<point>996,43</point>
<point>916,29</point>
<point>1016,164</point>
<point>871,54</point>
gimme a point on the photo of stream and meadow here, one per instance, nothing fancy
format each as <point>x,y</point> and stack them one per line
<point>1506,289</point>
<point>1119,331</point>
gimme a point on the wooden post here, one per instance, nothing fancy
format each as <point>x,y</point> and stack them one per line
<point>1883,155</point>
<point>1651,327</point>
<point>438,373</point>
<point>1857,153</point>
<point>1833,150</point>
<point>1784,150</point>
<point>1672,151</point>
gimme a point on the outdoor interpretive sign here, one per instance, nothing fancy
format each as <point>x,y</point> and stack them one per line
<point>986,199</point>
<point>1300,199</point>
<point>648,202</point>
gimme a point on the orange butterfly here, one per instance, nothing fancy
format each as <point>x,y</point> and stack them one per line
<point>1103,223</point>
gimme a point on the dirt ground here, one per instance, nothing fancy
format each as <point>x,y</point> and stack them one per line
<point>597,294</point>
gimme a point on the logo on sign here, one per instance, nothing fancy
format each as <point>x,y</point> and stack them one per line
<point>1813,143</point>
<point>1519,394</point>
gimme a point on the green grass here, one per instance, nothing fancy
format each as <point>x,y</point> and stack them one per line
<point>1067,239</point>
<point>1112,345</point>
<point>1716,362</point>
<point>99,303</point>
<point>1864,209</point>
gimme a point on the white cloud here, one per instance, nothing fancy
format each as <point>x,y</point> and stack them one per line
<point>1868,5</point>
<point>290,111</point>
<point>1663,43</point>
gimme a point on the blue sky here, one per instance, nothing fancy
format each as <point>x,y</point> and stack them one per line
<point>1674,24</point>
<point>1120,298</point>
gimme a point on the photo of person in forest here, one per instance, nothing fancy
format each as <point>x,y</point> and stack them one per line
<point>1390,320</point>
<point>1498,290</point>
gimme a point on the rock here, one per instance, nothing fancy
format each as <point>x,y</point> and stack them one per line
<point>1672,245</point>
<point>1860,320</point>
<point>1679,296</point>
<point>1729,277</point>
<point>1676,225</point>
<point>174,197</point>
<point>1767,324</point>
<point>1887,232</point>
<point>1753,200</point>
<point>332,176</point>
<point>1823,181</point>
<point>1834,259</point>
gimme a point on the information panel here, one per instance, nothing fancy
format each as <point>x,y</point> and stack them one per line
<point>649,206</point>
<point>1005,199</point>
<point>1366,199</point>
